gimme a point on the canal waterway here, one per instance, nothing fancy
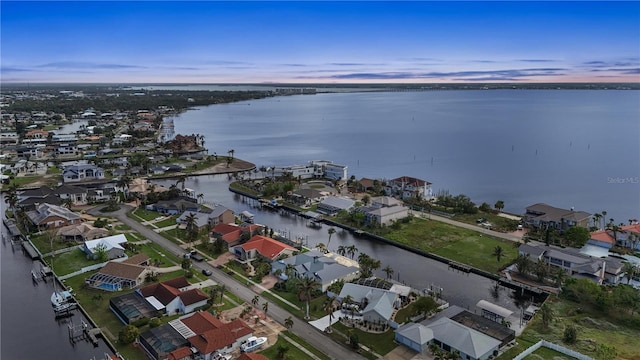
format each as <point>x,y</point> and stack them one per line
<point>459,288</point>
<point>29,328</point>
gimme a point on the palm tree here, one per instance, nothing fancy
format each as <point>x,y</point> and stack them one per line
<point>629,270</point>
<point>389,271</point>
<point>328,307</point>
<point>523,263</point>
<point>348,300</point>
<point>558,277</point>
<point>614,228</point>
<point>342,250</point>
<point>265,307</point>
<point>201,197</point>
<point>255,300</point>
<point>231,152</point>
<point>305,287</point>
<point>499,205</point>
<point>547,314</point>
<point>282,351</point>
<point>352,250</point>
<point>596,220</point>
<point>191,226</point>
<point>604,217</point>
<point>498,252</point>
<point>322,247</point>
<point>288,323</point>
<point>331,231</point>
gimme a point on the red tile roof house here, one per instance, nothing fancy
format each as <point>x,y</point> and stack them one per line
<point>173,296</point>
<point>233,234</point>
<point>263,246</point>
<point>602,238</point>
<point>200,333</point>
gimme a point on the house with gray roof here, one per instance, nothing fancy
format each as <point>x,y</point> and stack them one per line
<point>332,205</point>
<point>77,194</point>
<point>577,264</point>
<point>544,216</point>
<point>375,305</point>
<point>47,216</point>
<point>324,268</point>
<point>82,172</point>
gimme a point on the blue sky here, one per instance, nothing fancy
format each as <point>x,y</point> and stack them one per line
<point>319,42</point>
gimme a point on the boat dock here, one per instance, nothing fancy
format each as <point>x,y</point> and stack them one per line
<point>81,332</point>
<point>33,253</point>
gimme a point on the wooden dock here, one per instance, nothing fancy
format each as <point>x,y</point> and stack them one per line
<point>31,251</point>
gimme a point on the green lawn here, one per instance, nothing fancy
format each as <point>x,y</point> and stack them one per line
<point>170,221</point>
<point>172,236</point>
<point>379,343</point>
<point>455,243</point>
<point>293,353</point>
<point>146,215</point>
<point>71,261</point>
<point>498,222</point>
<point>301,341</point>
<point>546,353</point>
<point>156,252</point>
<point>43,243</point>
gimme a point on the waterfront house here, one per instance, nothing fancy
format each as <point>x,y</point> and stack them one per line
<point>201,219</point>
<point>602,238</point>
<point>116,276</point>
<point>82,172</point>
<point>173,296</point>
<point>374,304</point>
<point>221,215</point>
<point>265,247</point>
<point>200,334</point>
<point>546,216</point>
<point>233,234</point>
<point>333,205</point>
<point>110,244</point>
<point>326,269</point>
<point>131,307</point>
<point>627,236</point>
<point>406,187</point>
<point>66,149</point>
<point>386,214</point>
<point>47,216</point>
<point>39,193</point>
<point>575,263</point>
<point>177,206</point>
<point>450,336</point>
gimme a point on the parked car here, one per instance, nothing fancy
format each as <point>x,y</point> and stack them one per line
<point>207,272</point>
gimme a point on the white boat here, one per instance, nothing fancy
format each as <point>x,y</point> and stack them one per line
<point>253,343</point>
<point>64,307</point>
<point>59,298</point>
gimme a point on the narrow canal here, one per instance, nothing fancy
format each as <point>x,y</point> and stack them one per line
<point>29,328</point>
<point>419,272</point>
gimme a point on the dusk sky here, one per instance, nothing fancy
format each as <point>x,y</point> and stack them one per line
<point>319,42</point>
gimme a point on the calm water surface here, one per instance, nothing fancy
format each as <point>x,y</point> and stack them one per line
<point>566,147</point>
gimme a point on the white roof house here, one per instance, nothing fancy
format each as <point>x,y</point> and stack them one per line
<point>380,303</point>
<point>110,244</point>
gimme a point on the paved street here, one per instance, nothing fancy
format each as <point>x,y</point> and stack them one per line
<point>309,333</point>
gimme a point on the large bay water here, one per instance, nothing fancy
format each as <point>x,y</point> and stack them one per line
<point>568,148</point>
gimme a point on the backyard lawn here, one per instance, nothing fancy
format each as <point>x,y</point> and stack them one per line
<point>71,261</point>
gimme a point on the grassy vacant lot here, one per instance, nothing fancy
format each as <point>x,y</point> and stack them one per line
<point>546,353</point>
<point>498,223</point>
<point>170,221</point>
<point>593,330</point>
<point>147,215</point>
<point>71,261</point>
<point>455,243</point>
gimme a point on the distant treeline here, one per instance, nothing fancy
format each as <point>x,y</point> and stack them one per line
<point>126,101</point>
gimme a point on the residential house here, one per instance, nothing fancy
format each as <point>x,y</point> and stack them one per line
<point>33,202</point>
<point>116,276</point>
<point>221,215</point>
<point>324,268</point>
<point>28,152</point>
<point>602,238</point>
<point>333,205</point>
<point>199,335</point>
<point>65,149</point>
<point>177,206</point>
<point>110,244</point>
<point>233,234</point>
<point>450,336</point>
<point>628,236</point>
<point>173,296</point>
<point>259,245</point>
<point>375,305</point>
<point>131,307</point>
<point>81,232</point>
<point>40,192</point>
<point>385,211</point>
<point>201,219</point>
<point>47,216</point>
<point>307,197</point>
<point>366,184</point>
<point>575,263</point>
<point>82,172</point>
<point>406,187</point>
<point>77,195</point>
<point>546,216</point>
